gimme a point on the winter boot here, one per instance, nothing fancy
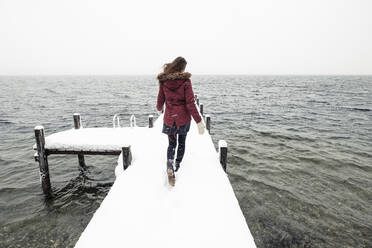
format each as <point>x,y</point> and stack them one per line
<point>177,166</point>
<point>170,172</point>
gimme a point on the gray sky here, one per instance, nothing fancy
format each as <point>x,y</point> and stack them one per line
<point>215,37</point>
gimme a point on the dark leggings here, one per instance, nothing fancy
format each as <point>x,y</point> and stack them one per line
<point>172,138</point>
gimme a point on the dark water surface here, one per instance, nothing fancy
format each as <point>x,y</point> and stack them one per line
<point>300,154</point>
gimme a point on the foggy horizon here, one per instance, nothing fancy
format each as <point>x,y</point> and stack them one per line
<point>216,37</point>
<point>192,74</point>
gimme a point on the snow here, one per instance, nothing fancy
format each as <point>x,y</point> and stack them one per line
<point>222,143</point>
<point>39,127</point>
<point>142,210</point>
<point>94,139</point>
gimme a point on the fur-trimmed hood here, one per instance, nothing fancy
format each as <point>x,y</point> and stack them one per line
<point>173,76</point>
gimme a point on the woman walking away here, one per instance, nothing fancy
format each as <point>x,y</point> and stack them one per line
<point>176,92</point>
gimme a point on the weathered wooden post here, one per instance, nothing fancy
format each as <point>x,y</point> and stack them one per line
<point>77,125</point>
<point>222,151</point>
<point>197,99</point>
<point>208,123</point>
<point>43,160</point>
<point>201,108</point>
<point>77,121</point>
<point>151,121</point>
<point>127,156</point>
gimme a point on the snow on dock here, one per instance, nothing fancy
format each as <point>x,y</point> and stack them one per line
<point>93,139</point>
<point>142,210</point>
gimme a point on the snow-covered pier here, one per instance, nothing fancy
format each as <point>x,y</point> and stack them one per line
<point>141,209</point>
<point>86,141</point>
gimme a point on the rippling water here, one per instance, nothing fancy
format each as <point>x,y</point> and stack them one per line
<point>300,154</point>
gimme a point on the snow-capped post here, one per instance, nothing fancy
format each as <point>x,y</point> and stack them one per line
<point>43,160</point>
<point>127,156</point>
<point>77,125</point>
<point>196,99</point>
<point>222,151</point>
<point>208,123</point>
<point>36,157</point>
<point>151,121</point>
<point>201,108</point>
<point>77,121</point>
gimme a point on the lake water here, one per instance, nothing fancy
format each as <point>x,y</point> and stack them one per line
<point>300,154</point>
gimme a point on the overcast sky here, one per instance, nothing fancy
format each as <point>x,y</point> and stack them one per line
<point>215,37</point>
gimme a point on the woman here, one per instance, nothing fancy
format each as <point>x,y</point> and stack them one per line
<point>176,92</point>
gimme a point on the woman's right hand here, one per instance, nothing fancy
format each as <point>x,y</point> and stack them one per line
<point>201,127</point>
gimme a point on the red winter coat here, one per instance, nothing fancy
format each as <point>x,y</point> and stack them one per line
<point>176,91</point>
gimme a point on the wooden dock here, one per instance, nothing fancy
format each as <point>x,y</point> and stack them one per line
<point>141,209</point>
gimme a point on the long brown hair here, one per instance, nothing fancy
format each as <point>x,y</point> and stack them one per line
<point>177,65</point>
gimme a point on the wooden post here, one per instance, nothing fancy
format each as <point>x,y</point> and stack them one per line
<point>43,160</point>
<point>151,121</point>
<point>201,108</point>
<point>77,121</point>
<point>127,156</point>
<point>222,151</point>
<point>208,123</point>
<point>77,125</point>
<point>36,157</point>
<point>197,99</point>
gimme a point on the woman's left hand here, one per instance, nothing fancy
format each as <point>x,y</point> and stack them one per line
<point>201,127</point>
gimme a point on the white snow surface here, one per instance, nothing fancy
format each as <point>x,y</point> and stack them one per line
<point>222,143</point>
<point>142,210</point>
<point>93,139</point>
<point>39,127</point>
